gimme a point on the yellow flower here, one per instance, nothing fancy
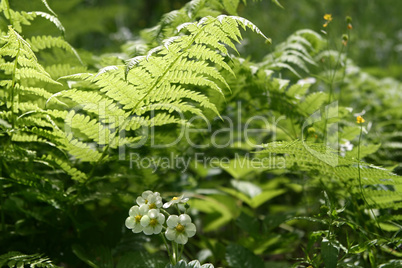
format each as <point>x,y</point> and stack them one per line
<point>360,119</point>
<point>328,18</point>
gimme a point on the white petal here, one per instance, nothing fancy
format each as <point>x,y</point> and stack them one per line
<point>151,199</point>
<point>145,220</point>
<point>140,201</point>
<point>181,239</point>
<point>184,219</point>
<point>134,210</point>
<point>158,229</point>
<point>130,222</point>
<point>190,229</point>
<point>138,228</point>
<point>148,230</point>
<point>158,203</point>
<point>143,209</point>
<point>167,205</point>
<point>153,213</point>
<point>146,193</point>
<point>172,221</point>
<point>170,234</point>
<point>161,218</point>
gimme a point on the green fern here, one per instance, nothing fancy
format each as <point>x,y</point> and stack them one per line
<point>17,259</point>
<point>297,51</point>
<point>146,92</point>
<point>312,157</point>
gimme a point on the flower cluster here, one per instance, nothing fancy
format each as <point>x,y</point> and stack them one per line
<point>148,216</point>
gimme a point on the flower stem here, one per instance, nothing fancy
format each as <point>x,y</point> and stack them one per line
<point>181,251</point>
<point>167,249</point>
<point>174,250</point>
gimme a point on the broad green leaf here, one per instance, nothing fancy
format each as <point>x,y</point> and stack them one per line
<point>329,253</point>
<point>220,214</point>
<point>264,197</point>
<point>246,187</point>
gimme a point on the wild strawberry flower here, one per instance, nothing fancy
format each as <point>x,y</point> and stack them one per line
<point>136,213</point>
<point>152,222</point>
<point>179,228</point>
<point>175,200</point>
<point>151,199</point>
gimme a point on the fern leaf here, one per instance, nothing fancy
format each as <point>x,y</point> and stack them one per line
<point>48,7</point>
<point>42,42</point>
<point>17,259</point>
<point>52,19</point>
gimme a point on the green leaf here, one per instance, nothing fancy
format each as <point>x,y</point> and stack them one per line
<point>240,257</point>
<point>231,6</point>
<point>248,223</point>
<point>265,196</point>
<point>276,2</point>
<point>329,253</point>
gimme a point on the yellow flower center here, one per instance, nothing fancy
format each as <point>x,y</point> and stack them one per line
<point>151,206</point>
<point>175,198</point>
<point>146,201</point>
<point>153,222</point>
<point>138,218</point>
<point>180,228</point>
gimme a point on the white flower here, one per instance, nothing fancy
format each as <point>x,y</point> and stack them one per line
<point>153,200</point>
<point>134,220</point>
<point>152,222</point>
<point>179,228</point>
<point>175,200</point>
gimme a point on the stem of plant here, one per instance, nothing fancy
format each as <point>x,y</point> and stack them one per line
<point>167,249</point>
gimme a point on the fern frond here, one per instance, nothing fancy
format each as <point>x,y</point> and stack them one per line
<point>17,259</point>
<point>16,18</point>
<point>148,90</point>
<point>66,167</point>
<point>318,158</point>
<point>297,51</point>
<point>45,42</point>
<point>52,19</point>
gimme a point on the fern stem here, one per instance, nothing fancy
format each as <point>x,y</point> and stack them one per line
<point>13,90</point>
